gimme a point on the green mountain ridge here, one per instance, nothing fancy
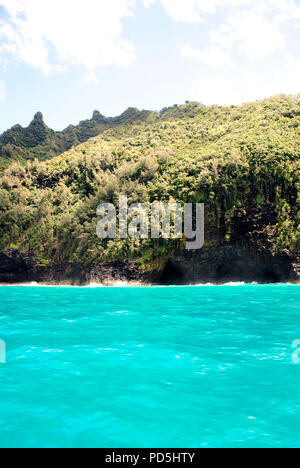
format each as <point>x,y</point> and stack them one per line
<point>39,141</point>
<point>243,162</point>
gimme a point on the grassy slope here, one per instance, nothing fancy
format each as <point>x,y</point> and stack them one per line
<point>242,162</point>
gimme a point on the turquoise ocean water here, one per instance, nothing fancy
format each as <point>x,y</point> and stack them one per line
<point>150,367</point>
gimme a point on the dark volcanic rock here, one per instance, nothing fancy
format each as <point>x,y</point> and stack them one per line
<point>12,269</point>
<point>227,263</point>
<point>234,263</point>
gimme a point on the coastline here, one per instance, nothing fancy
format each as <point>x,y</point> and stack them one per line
<point>124,284</point>
<point>222,265</point>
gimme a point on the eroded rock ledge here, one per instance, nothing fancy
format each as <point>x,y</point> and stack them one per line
<point>227,263</point>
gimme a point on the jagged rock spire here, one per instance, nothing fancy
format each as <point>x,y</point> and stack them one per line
<point>97,117</point>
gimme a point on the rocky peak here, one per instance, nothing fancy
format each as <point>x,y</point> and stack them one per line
<point>97,117</point>
<point>38,117</point>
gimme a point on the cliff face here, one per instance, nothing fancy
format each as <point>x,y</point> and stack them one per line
<point>12,269</point>
<point>225,264</point>
<point>242,162</point>
<point>234,263</point>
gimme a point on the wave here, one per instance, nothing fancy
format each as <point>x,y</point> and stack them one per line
<point>124,284</point>
<point>95,285</point>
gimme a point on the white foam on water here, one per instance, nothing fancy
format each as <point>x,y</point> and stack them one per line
<point>121,284</point>
<point>237,283</point>
<point>204,285</point>
<point>95,285</point>
<point>124,284</point>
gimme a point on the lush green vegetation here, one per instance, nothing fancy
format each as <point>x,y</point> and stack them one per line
<point>242,162</point>
<point>39,141</point>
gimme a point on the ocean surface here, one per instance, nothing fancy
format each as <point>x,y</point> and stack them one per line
<point>155,367</point>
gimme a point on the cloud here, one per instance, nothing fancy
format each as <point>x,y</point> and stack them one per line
<point>85,33</point>
<point>250,34</point>
<point>91,78</point>
<point>178,10</point>
<point>194,11</point>
<point>251,28</point>
<point>2,92</point>
<point>226,90</point>
<point>246,32</point>
<point>214,57</point>
<point>53,34</point>
<point>50,35</point>
<point>246,86</point>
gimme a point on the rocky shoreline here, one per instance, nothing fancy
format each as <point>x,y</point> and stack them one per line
<point>223,264</point>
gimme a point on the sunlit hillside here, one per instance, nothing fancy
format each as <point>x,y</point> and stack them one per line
<point>242,162</point>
